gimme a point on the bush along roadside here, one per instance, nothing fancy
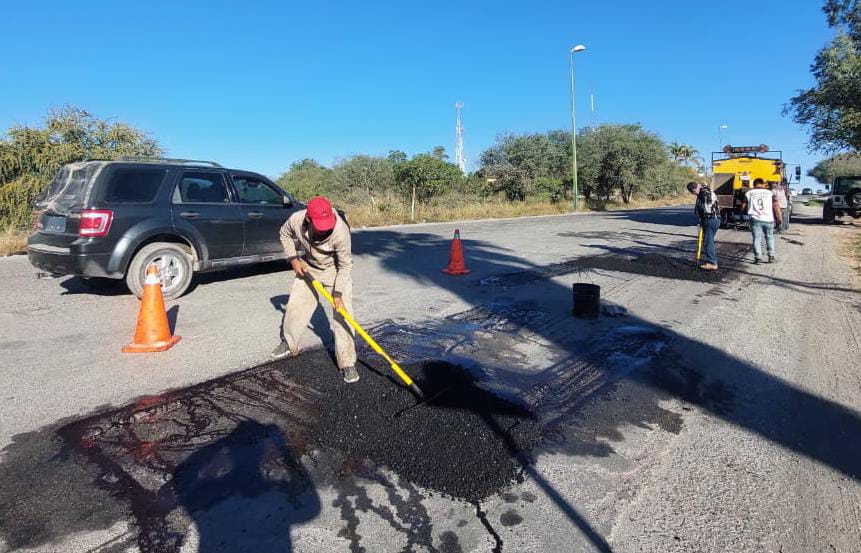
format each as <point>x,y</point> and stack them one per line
<point>530,174</point>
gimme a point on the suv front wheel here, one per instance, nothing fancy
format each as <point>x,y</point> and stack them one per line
<point>174,266</point>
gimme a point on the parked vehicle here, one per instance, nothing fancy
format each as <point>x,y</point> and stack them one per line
<point>736,168</point>
<point>109,220</point>
<point>807,192</point>
<point>845,199</point>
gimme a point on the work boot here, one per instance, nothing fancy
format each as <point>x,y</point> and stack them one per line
<point>283,350</point>
<point>756,261</point>
<point>771,259</point>
<point>350,374</point>
<point>710,267</point>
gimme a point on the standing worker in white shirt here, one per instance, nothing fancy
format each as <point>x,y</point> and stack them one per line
<point>763,208</point>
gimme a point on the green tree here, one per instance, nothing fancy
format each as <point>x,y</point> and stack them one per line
<point>686,155</point>
<point>439,153</point>
<point>840,165</point>
<point>396,156</point>
<point>425,176</point>
<point>307,178</point>
<point>623,159</point>
<point>831,110</point>
<point>30,155</point>
<point>516,162</point>
<point>691,157</point>
<point>364,177</point>
<point>677,151</point>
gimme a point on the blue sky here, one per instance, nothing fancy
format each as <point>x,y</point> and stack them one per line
<point>258,85</point>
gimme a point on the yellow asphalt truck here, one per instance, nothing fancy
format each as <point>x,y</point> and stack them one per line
<point>736,167</point>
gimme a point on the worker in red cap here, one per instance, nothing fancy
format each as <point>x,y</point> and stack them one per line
<point>323,237</point>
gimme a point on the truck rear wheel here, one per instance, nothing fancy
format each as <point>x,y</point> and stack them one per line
<point>174,265</point>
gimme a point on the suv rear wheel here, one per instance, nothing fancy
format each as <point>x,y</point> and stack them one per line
<point>174,266</point>
<point>828,215</point>
<point>854,198</point>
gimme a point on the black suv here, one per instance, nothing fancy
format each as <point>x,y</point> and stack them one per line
<point>105,220</point>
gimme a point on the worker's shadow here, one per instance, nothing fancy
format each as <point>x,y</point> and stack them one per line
<point>245,491</point>
<point>319,322</point>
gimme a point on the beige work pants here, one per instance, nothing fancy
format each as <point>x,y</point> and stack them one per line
<point>301,306</point>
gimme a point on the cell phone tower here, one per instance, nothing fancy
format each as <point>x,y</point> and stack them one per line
<point>459,159</point>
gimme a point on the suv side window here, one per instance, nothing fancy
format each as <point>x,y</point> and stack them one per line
<point>133,185</point>
<point>201,187</point>
<point>255,191</point>
<point>843,185</point>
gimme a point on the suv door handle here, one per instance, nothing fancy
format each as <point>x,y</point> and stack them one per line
<point>189,214</point>
<point>255,214</point>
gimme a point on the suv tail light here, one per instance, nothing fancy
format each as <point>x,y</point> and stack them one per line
<point>95,222</point>
<point>37,220</point>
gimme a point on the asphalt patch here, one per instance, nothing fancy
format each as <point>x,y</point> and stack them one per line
<point>647,263</point>
<point>663,266</point>
<point>465,442</point>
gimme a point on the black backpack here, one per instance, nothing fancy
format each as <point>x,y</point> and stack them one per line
<point>707,205</point>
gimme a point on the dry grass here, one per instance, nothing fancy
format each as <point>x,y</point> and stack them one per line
<point>394,213</point>
<point>851,248</point>
<point>12,242</point>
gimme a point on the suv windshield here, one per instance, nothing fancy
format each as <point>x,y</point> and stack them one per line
<point>68,188</point>
<point>845,184</point>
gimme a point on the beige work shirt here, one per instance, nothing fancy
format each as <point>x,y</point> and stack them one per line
<point>335,252</point>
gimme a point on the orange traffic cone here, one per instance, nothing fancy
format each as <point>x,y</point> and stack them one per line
<point>456,263</point>
<point>153,331</point>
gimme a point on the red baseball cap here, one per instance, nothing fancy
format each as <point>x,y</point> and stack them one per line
<point>321,214</point>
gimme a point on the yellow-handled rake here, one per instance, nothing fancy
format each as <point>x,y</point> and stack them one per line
<point>371,342</point>
<point>700,243</point>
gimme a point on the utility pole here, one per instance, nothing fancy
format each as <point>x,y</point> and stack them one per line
<point>574,191</point>
<point>459,159</point>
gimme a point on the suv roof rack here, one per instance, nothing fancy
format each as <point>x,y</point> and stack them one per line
<point>177,161</point>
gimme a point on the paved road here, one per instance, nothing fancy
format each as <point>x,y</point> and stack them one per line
<point>721,413</point>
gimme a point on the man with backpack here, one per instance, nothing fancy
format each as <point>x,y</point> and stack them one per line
<point>708,212</point>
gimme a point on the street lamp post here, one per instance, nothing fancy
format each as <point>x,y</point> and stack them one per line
<point>720,137</point>
<point>571,52</point>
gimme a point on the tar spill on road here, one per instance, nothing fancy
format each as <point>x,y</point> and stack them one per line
<point>463,443</point>
<point>236,436</point>
<point>271,433</point>
<point>646,262</point>
<point>510,518</point>
<point>279,432</point>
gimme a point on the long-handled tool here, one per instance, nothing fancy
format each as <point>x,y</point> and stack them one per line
<point>371,342</point>
<point>700,243</point>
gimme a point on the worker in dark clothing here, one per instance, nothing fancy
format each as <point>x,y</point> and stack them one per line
<point>708,212</point>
